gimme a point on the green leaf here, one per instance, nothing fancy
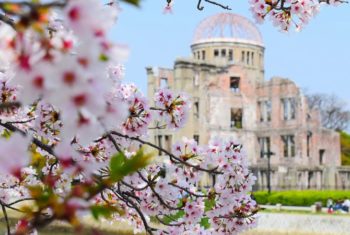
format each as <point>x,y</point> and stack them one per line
<point>116,166</point>
<point>121,166</point>
<point>172,218</point>
<point>205,222</point>
<point>6,133</point>
<point>132,2</point>
<point>98,211</point>
<point>209,204</point>
<point>104,58</point>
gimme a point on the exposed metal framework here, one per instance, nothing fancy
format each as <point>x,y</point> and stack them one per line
<point>227,26</point>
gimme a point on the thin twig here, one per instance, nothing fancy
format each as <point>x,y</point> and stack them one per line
<point>6,217</point>
<point>19,200</point>
<point>110,137</point>
<point>238,215</point>
<point>160,199</point>
<point>7,105</point>
<point>218,4</point>
<point>200,7</point>
<point>4,18</point>
<point>188,191</point>
<point>167,224</point>
<point>34,4</point>
<point>213,170</point>
<point>37,142</point>
<point>22,121</point>
<point>133,205</point>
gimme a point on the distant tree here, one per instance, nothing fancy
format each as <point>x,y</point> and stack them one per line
<point>334,112</point>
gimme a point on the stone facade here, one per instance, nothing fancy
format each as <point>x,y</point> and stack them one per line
<point>232,99</point>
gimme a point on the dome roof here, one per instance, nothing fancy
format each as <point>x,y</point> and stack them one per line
<point>227,27</point>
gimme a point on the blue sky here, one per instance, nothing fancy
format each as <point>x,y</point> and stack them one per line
<point>318,58</point>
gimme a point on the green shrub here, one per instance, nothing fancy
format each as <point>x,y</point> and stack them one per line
<point>299,198</point>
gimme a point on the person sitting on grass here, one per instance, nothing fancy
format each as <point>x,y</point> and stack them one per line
<point>346,205</point>
<point>338,205</point>
<point>330,206</point>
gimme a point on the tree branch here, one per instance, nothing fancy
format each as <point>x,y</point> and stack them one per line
<point>212,171</point>
<point>200,7</point>
<point>4,18</point>
<point>133,205</point>
<point>218,4</point>
<point>6,217</point>
<point>187,190</point>
<point>160,199</point>
<point>37,142</point>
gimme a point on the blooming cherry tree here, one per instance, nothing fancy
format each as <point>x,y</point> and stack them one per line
<point>284,14</point>
<point>74,136</point>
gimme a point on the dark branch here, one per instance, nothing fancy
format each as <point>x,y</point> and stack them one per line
<point>218,4</point>
<point>4,18</point>
<point>200,7</point>
<point>37,142</point>
<point>213,171</point>
<point>160,199</point>
<point>167,224</point>
<point>133,205</point>
<point>188,191</point>
<point>6,217</point>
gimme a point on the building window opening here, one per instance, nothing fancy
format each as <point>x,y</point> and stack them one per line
<point>160,144</point>
<point>265,110</point>
<point>223,53</point>
<point>168,142</point>
<point>216,53</point>
<point>234,84</point>
<point>308,142</point>
<point>203,55</point>
<point>321,155</point>
<point>248,57</point>
<point>198,55</point>
<point>261,59</point>
<point>310,179</point>
<point>289,108</point>
<point>243,57</point>
<point>196,138</point>
<point>265,145</point>
<point>196,79</point>
<point>263,178</point>
<point>292,108</point>
<point>288,145</point>
<point>196,109</point>
<point>230,55</point>
<point>252,58</point>
<point>163,83</point>
<point>236,118</point>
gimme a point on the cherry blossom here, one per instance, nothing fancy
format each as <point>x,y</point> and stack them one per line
<point>288,14</point>
<point>14,154</point>
<point>139,113</point>
<point>172,107</point>
<point>74,131</point>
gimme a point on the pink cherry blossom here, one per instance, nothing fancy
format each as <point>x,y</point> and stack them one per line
<point>14,154</point>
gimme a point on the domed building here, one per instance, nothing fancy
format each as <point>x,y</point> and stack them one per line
<point>224,75</point>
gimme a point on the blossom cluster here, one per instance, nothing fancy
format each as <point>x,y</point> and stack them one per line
<point>72,133</point>
<point>286,14</point>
